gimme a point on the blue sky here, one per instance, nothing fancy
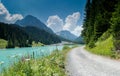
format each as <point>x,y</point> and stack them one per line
<point>56,14</point>
<point>45,8</point>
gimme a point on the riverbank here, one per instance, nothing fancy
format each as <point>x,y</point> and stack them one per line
<point>52,65</point>
<point>4,44</point>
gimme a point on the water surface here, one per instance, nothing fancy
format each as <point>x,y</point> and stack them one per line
<point>8,56</point>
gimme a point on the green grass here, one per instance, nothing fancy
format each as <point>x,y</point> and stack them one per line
<point>52,65</point>
<point>36,44</point>
<point>3,43</point>
<point>103,47</point>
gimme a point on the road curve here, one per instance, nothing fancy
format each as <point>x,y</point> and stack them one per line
<point>79,62</point>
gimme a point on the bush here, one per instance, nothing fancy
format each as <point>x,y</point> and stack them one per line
<point>91,44</point>
<point>66,47</point>
<point>105,35</point>
<point>117,45</point>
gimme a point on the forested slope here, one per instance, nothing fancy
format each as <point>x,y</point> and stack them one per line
<point>17,36</point>
<point>39,35</point>
<point>102,16</point>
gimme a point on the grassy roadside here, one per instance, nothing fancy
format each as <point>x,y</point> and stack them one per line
<point>52,65</point>
<point>104,48</point>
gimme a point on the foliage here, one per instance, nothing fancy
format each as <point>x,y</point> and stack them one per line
<point>34,44</point>
<point>105,35</point>
<point>23,36</point>
<point>91,44</point>
<point>102,27</point>
<point>65,47</point>
<point>115,22</point>
<point>103,47</point>
<point>14,35</point>
<point>52,65</point>
<point>3,43</point>
<point>42,36</point>
<point>98,14</point>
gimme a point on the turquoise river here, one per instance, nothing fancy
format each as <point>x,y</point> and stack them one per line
<point>9,56</point>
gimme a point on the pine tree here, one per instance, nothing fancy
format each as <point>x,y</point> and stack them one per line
<point>115,21</point>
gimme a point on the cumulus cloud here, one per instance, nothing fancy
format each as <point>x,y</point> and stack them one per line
<point>71,21</point>
<point>70,24</point>
<point>77,31</point>
<point>55,23</point>
<point>6,17</point>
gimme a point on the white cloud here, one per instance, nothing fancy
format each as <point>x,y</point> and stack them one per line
<point>55,23</point>
<point>6,17</point>
<point>77,31</point>
<point>71,21</point>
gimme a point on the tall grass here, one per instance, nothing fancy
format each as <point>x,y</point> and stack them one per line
<point>52,65</point>
<point>105,48</point>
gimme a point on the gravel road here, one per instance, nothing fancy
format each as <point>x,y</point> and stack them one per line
<point>79,62</point>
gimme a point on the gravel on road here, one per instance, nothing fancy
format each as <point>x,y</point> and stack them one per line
<point>79,62</point>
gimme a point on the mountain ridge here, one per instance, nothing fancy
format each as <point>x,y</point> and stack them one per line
<point>30,20</point>
<point>18,36</point>
<point>67,35</point>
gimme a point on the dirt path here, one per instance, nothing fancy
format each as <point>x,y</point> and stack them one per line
<point>82,63</point>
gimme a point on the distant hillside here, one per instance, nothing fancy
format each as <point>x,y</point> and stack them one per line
<point>79,40</point>
<point>24,36</point>
<point>14,35</point>
<point>30,20</point>
<point>42,36</point>
<point>66,35</point>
